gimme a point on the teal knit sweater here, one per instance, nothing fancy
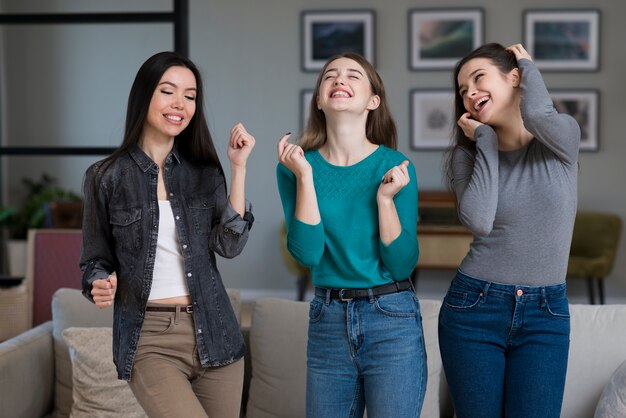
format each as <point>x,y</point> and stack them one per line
<point>344,250</point>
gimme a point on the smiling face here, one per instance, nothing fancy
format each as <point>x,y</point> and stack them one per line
<point>173,104</point>
<point>344,86</point>
<point>488,94</point>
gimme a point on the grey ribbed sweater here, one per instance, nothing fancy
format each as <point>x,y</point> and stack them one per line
<point>520,205</point>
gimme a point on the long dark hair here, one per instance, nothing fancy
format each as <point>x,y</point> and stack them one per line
<point>380,127</point>
<point>505,61</point>
<point>194,143</point>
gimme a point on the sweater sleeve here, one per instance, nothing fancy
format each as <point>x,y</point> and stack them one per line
<point>559,132</point>
<point>400,256</point>
<point>476,182</point>
<point>305,242</point>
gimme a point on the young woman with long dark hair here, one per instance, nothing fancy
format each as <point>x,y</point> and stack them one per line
<point>156,212</point>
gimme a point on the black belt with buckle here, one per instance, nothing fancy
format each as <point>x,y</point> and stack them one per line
<point>348,294</point>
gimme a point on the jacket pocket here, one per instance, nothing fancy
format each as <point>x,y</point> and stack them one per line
<point>126,228</point>
<point>201,209</point>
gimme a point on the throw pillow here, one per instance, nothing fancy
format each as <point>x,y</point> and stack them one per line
<point>70,309</point>
<point>96,388</point>
<point>278,350</point>
<point>612,402</point>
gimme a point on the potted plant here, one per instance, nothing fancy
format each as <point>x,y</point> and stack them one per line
<point>17,220</point>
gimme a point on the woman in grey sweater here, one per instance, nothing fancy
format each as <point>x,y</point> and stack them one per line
<point>504,324</point>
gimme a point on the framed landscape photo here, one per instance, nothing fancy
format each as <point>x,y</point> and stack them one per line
<point>326,33</point>
<point>582,105</point>
<point>439,38</point>
<point>432,118</point>
<point>563,40</point>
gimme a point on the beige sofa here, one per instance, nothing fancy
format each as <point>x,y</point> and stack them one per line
<point>36,372</point>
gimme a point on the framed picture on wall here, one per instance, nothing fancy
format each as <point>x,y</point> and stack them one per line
<point>305,104</point>
<point>326,33</point>
<point>563,40</point>
<point>582,105</point>
<point>432,118</point>
<point>438,38</point>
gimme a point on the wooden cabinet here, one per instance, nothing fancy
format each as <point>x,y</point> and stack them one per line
<point>443,241</point>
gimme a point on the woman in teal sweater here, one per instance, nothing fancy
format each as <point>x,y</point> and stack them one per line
<point>350,203</point>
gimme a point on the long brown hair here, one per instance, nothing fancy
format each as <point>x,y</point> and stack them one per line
<point>505,62</point>
<point>380,126</point>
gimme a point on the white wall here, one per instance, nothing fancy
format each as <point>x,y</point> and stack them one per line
<point>249,53</point>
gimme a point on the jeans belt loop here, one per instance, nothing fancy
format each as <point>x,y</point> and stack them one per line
<point>176,315</point>
<point>341,296</point>
<point>370,294</point>
<point>544,302</point>
<point>328,291</point>
<point>485,291</point>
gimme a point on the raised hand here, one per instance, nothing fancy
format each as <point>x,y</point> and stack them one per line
<point>240,145</point>
<point>394,180</point>
<point>292,157</point>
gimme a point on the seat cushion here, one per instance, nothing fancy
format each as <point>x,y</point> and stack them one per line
<point>612,402</point>
<point>597,342</point>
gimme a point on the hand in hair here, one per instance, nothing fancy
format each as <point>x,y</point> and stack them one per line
<point>240,145</point>
<point>292,157</point>
<point>519,51</point>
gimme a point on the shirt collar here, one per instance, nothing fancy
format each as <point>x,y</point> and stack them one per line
<point>145,163</point>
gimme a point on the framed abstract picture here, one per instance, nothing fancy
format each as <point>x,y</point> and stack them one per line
<point>582,105</point>
<point>438,38</point>
<point>432,118</point>
<point>563,40</point>
<point>326,33</point>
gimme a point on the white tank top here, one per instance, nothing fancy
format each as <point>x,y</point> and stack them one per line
<point>168,278</point>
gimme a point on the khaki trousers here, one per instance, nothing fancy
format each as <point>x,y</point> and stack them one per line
<point>168,380</point>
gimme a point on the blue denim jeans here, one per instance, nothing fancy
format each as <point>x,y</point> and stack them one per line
<point>504,348</point>
<point>366,352</point>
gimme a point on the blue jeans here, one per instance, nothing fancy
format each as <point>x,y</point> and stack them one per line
<point>504,348</point>
<point>366,352</point>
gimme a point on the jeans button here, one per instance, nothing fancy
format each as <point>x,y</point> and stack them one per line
<point>519,292</point>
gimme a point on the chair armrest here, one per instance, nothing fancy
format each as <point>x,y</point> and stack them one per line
<point>27,378</point>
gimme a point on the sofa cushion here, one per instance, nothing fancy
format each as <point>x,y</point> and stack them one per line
<point>612,402</point>
<point>597,342</point>
<point>436,388</point>
<point>71,309</point>
<point>96,388</point>
<point>278,340</point>
<point>278,349</point>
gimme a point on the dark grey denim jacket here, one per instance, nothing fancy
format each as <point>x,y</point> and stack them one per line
<point>120,234</point>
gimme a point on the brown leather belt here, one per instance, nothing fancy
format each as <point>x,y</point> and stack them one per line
<point>187,309</point>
